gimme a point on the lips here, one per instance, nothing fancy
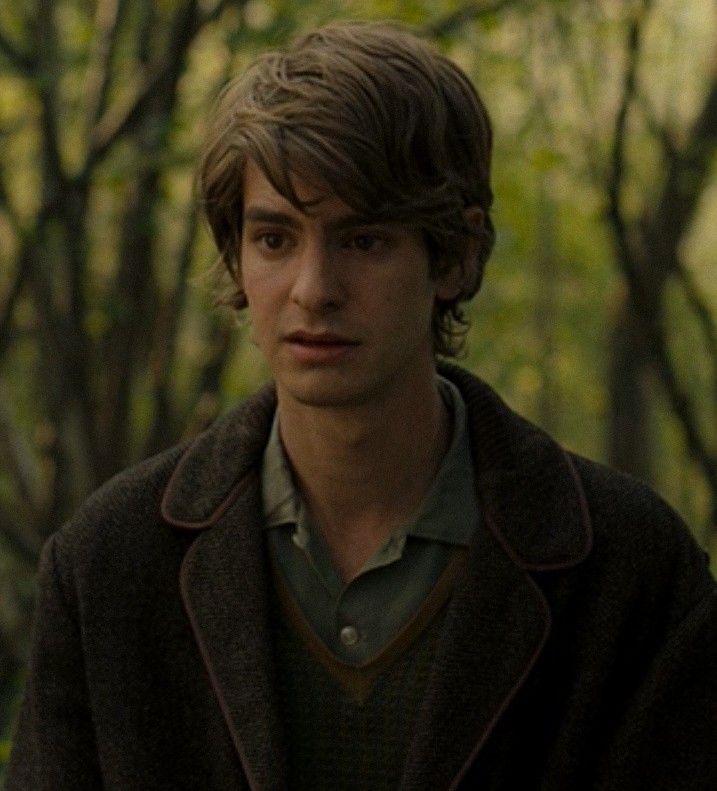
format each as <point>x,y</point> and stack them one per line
<point>319,339</point>
<point>319,348</point>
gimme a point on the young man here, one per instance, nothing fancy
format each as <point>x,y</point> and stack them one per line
<point>372,574</point>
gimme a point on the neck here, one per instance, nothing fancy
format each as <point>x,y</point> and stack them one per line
<point>364,470</point>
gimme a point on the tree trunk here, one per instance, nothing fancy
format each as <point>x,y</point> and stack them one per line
<point>631,437</point>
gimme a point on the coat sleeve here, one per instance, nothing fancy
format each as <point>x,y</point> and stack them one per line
<point>54,744</point>
<point>667,740</point>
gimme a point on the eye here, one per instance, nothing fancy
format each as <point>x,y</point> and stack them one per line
<point>270,240</point>
<point>365,242</point>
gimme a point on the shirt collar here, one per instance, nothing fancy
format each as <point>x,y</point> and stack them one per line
<point>529,488</point>
<point>279,495</point>
<point>449,510</point>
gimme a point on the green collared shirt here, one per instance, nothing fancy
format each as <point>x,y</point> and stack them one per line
<point>358,619</point>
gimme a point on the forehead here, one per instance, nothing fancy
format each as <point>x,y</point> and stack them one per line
<point>259,192</point>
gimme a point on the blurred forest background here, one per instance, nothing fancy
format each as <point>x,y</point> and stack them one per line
<point>599,310</point>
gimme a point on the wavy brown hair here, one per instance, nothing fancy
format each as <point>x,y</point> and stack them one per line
<point>394,128</point>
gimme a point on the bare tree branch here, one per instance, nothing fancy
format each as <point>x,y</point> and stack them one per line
<point>59,381</point>
<point>162,430</point>
<point>118,121</point>
<point>9,209</point>
<point>25,547</point>
<point>18,454</point>
<point>581,76</point>
<point>206,410</point>
<point>701,310</point>
<point>22,61</point>
<point>65,336</point>
<point>684,411</point>
<point>126,345</point>
<point>617,169</point>
<point>107,16</point>
<point>706,321</point>
<point>49,72</point>
<point>658,128</point>
<point>22,271</point>
<point>687,172</point>
<point>654,251</point>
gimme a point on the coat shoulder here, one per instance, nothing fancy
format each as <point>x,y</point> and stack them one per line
<point>628,508</point>
<point>640,543</point>
<point>120,523</point>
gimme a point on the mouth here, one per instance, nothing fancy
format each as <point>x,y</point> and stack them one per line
<point>319,339</point>
<point>319,348</point>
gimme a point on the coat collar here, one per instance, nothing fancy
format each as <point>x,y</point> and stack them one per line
<point>527,484</point>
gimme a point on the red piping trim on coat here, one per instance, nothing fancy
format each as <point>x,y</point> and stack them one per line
<point>521,680</point>
<point>587,524</point>
<point>210,669</point>
<point>218,512</point>
<point>587,521</point>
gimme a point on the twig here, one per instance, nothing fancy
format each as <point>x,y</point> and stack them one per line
<point>687,173</point>
<point>19,455</point>
<point>159,78</point>
<point>22,61</point>
<point>700,308</point>
<point>617,159</point>
<point>107,17</point>
<point>118,121</point>
<point>26,549</point>
<point>222,336</point>
<point>22,271</point>
<point>9,209</point>
<point>682,408</point>
<point>49,72</point>
<point>704,318</point>
<point>162,428</point>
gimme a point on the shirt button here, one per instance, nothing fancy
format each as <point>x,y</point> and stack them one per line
<point>349,636</point>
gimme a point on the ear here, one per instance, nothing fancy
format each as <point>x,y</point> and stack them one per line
<point>462,275</point>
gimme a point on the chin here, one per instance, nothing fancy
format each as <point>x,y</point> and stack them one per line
<point>327,392</point>
<point>327,397</point>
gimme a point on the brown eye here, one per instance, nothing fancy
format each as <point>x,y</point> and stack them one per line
<point>364,242</point>
<point>272,240</point>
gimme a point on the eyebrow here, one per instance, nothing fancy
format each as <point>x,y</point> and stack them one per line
<point>259,214</point>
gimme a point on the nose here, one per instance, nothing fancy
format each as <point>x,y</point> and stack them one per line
<point>317,286</point>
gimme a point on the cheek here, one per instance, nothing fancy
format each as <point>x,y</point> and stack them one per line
<point>406,311</point>
<point>260,287</point>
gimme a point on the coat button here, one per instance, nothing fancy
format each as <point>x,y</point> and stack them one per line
<point>349,636</point>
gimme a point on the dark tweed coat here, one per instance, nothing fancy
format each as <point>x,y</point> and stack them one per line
<point>579,651</point>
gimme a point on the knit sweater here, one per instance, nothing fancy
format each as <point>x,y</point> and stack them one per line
<point>335,741</point>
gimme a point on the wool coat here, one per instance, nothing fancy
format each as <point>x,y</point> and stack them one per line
<point>578,651</point>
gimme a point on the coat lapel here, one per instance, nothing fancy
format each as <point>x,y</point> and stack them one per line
<point>224,588</point>
<point>534,518</point>
<point>494,630</point>
<point>224,583</point>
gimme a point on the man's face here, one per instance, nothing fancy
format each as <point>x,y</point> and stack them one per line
<point>340,308</point>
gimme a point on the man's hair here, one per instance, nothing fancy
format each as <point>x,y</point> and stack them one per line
<point>392,127</point>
